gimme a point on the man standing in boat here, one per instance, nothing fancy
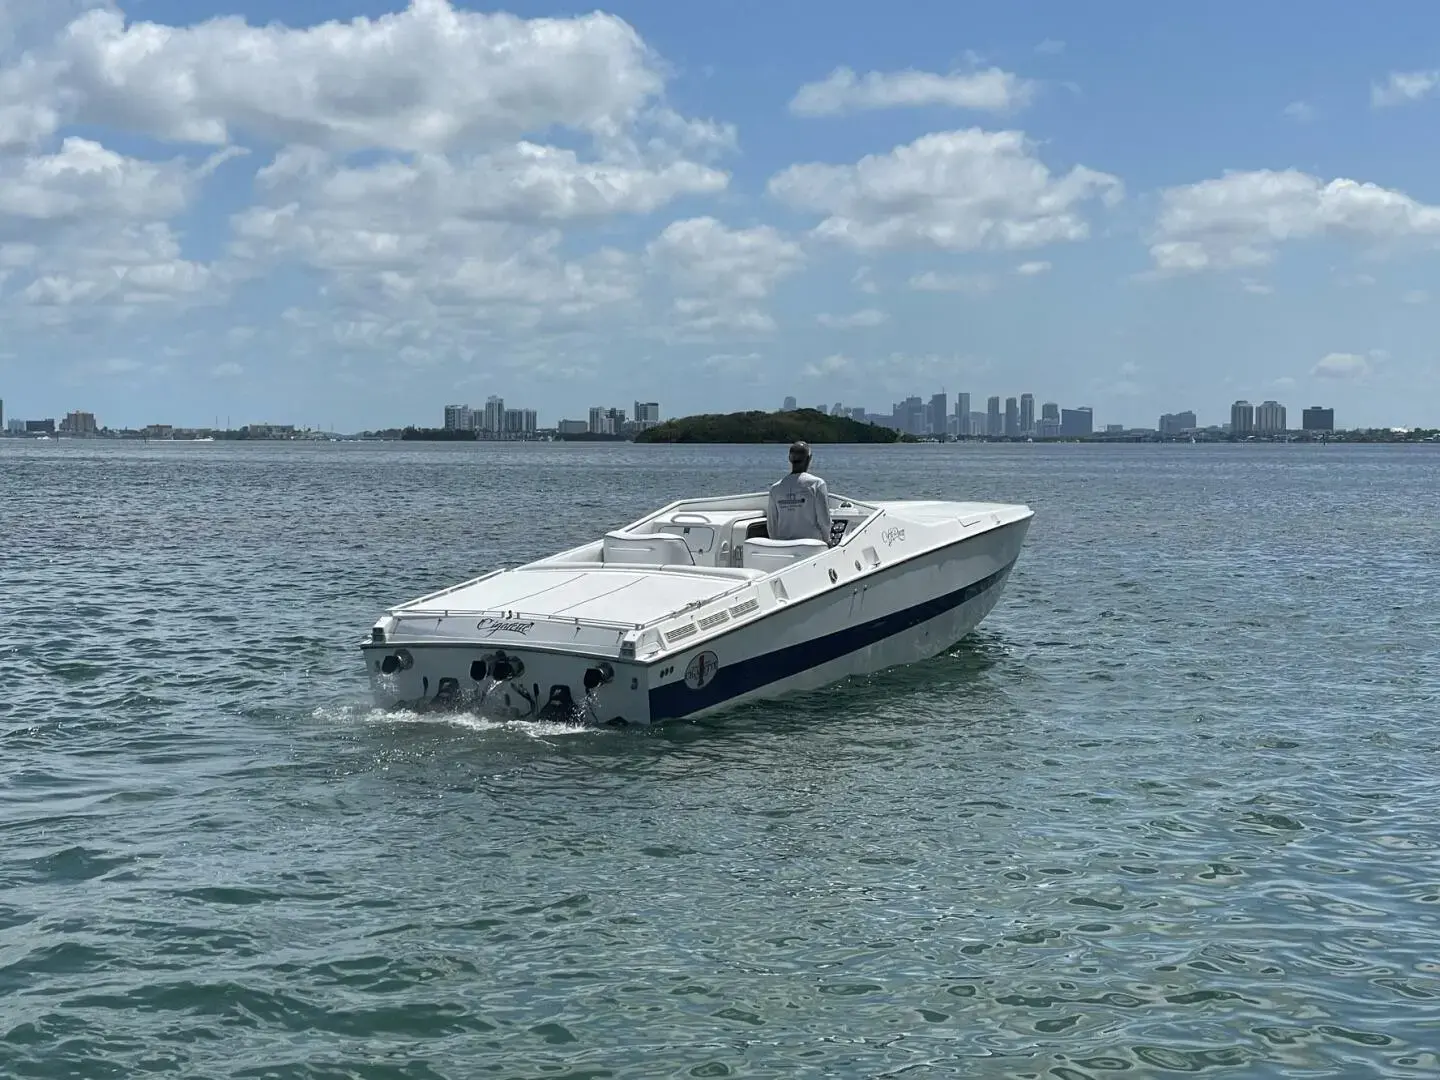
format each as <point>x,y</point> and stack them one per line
<point>799,503</point>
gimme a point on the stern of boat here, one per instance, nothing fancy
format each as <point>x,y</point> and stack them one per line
<point>506,684</point>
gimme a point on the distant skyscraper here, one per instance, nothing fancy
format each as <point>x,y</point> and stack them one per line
<point>647,413</point>
<point>1270,418</point>
<point>994,425</point>
<point>1316,418</point>
<point>1175,423</point>
<point>1012,418</point>
<point>494,415</point>
<point>457,418</point>
<point>962,414</point>
<point>939,414</point>
<point>977,422</point>
<point>789,405</point>
<point>598,421</point>
<point>1242,418</point>
<point>79,423</point>
<point>1027,414</point>
<point>858,413</point>
<point>1049,426</point>
<point>1075,423</point>
<point>2,414</point>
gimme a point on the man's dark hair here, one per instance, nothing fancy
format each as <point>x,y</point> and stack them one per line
<point>799,456</point>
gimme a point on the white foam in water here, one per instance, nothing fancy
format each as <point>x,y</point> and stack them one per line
<point>369,714</point>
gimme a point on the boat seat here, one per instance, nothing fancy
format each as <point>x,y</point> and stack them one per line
<point>654,549</point>
<point>761,553</point>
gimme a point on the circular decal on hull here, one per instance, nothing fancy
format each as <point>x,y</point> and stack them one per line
<point>701,670</point>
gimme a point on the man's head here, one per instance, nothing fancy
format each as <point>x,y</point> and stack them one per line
<point>799,456</point>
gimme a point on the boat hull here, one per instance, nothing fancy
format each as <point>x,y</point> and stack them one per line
<point>907,612</point>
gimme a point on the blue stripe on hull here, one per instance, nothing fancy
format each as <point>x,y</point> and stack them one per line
<point>676,699</point>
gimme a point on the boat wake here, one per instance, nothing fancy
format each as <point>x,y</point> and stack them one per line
<point>461,718</point>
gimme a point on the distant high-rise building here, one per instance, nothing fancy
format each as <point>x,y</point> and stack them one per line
<point>962,415</point>
<point>908,416</point>
<point>1175,423</point>
<point>572,427</point>
<point>79,423</point>
<point>1242,418</point>
<point>1049,425</point>
<point>977,422</point>
<point>939,418</point>
<point>518,423</point>
<point>789,405</point>
<point>1270,418</point>
<point>1076,423</point>
<point>1012,418</point>
<point>494,415</point>
<point>598,421</point>
<point>858,413</point>
<point>1316,418</point>
<point>647,413</point>
<point>458,418</point>
<point>994,424</point>
<point>2,414</point>
<point>1027,414</point>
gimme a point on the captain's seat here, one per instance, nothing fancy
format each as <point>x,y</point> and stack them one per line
<point>762,553</point>
<point>653,549</point>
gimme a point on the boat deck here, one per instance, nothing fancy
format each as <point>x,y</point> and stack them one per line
<point>632,595</point>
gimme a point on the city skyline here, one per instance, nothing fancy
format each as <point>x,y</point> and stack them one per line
<point>1004,416</point>
<point>717,206</point>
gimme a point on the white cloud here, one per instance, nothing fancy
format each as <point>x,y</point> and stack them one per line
<point>1237,219</point>
<point>1300,112</point>
<point>1050,47</point>
<point>428,77</point>
<point>85,227</point>
<point>862,318</point>
<point>862,281</point>
<point>526,182</point>
<point>974,284</point>
<point>842,91</point>
<point>1403,87</point>
<point>1030,269</point>
<point>721,274</point>
<point>228,370</point>
<point>952,191</point>
<point>1255,288</point>
<point>829,367</point>
<point>1341,366</point>
<point>83,180</point>
<point>1416,296</point>
<point>711,257</point>
<point>426,253</point>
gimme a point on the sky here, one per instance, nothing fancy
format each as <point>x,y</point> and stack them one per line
<point>347,215</point>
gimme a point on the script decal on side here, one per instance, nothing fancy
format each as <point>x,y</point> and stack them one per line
<point>701,670</point>
<point>491,627</point>
<point>891,535</point>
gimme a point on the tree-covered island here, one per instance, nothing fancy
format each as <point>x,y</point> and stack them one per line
<point>769,427</point>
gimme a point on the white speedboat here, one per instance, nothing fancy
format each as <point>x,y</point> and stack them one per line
<point>693,608</point>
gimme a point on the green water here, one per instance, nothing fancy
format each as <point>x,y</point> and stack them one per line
<point>1172,809</point>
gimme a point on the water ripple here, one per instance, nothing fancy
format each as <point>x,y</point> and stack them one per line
<point>1170,811</point>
